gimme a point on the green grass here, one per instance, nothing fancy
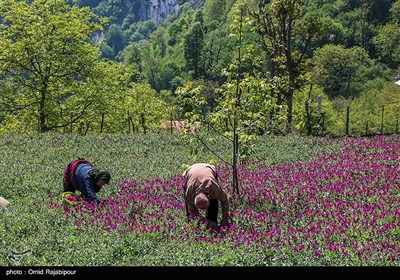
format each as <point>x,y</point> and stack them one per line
<point>31,168</point>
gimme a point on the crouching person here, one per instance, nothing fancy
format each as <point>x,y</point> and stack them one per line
<point>203,191</point>
<point>81,175</point>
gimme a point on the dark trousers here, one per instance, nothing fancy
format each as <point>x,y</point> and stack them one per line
<point>212,211</point>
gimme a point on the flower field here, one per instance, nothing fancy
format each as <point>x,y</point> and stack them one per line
<point>303,201</point>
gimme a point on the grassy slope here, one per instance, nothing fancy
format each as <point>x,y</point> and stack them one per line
<point>31,169</point>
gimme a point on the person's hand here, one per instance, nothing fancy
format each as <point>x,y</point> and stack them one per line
<point>212,225</point>
<point>200,220</point>
<point>225,223</point>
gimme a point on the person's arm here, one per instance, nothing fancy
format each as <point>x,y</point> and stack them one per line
<point>193,211</point>
<point>68,187</point>
<point>223,198</point>
<point>89,187</point>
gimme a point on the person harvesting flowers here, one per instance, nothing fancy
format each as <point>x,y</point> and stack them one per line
<point>203,191</point>
<point>81,175</point>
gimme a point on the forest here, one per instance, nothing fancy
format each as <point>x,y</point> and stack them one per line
<point>261,89</point>
<point>325,67</point>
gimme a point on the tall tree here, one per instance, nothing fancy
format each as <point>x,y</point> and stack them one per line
<point>47,55</point>
<point>115,38</point>
<point>275,22</point>
<point>388,38</point>
<point>344,72</point>
<point>193,48</point>
<point>214,10</point>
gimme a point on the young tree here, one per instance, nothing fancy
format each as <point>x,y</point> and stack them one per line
<point>47,57</point>
<point>244,103</point>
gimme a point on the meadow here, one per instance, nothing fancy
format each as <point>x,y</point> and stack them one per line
<point>304,202</point>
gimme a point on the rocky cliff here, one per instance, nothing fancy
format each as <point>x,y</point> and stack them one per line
<point>157,10</point>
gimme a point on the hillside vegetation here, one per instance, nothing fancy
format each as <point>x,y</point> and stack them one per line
<point>90,67</point>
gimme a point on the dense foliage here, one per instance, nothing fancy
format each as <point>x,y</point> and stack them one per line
<point>53,80</point>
